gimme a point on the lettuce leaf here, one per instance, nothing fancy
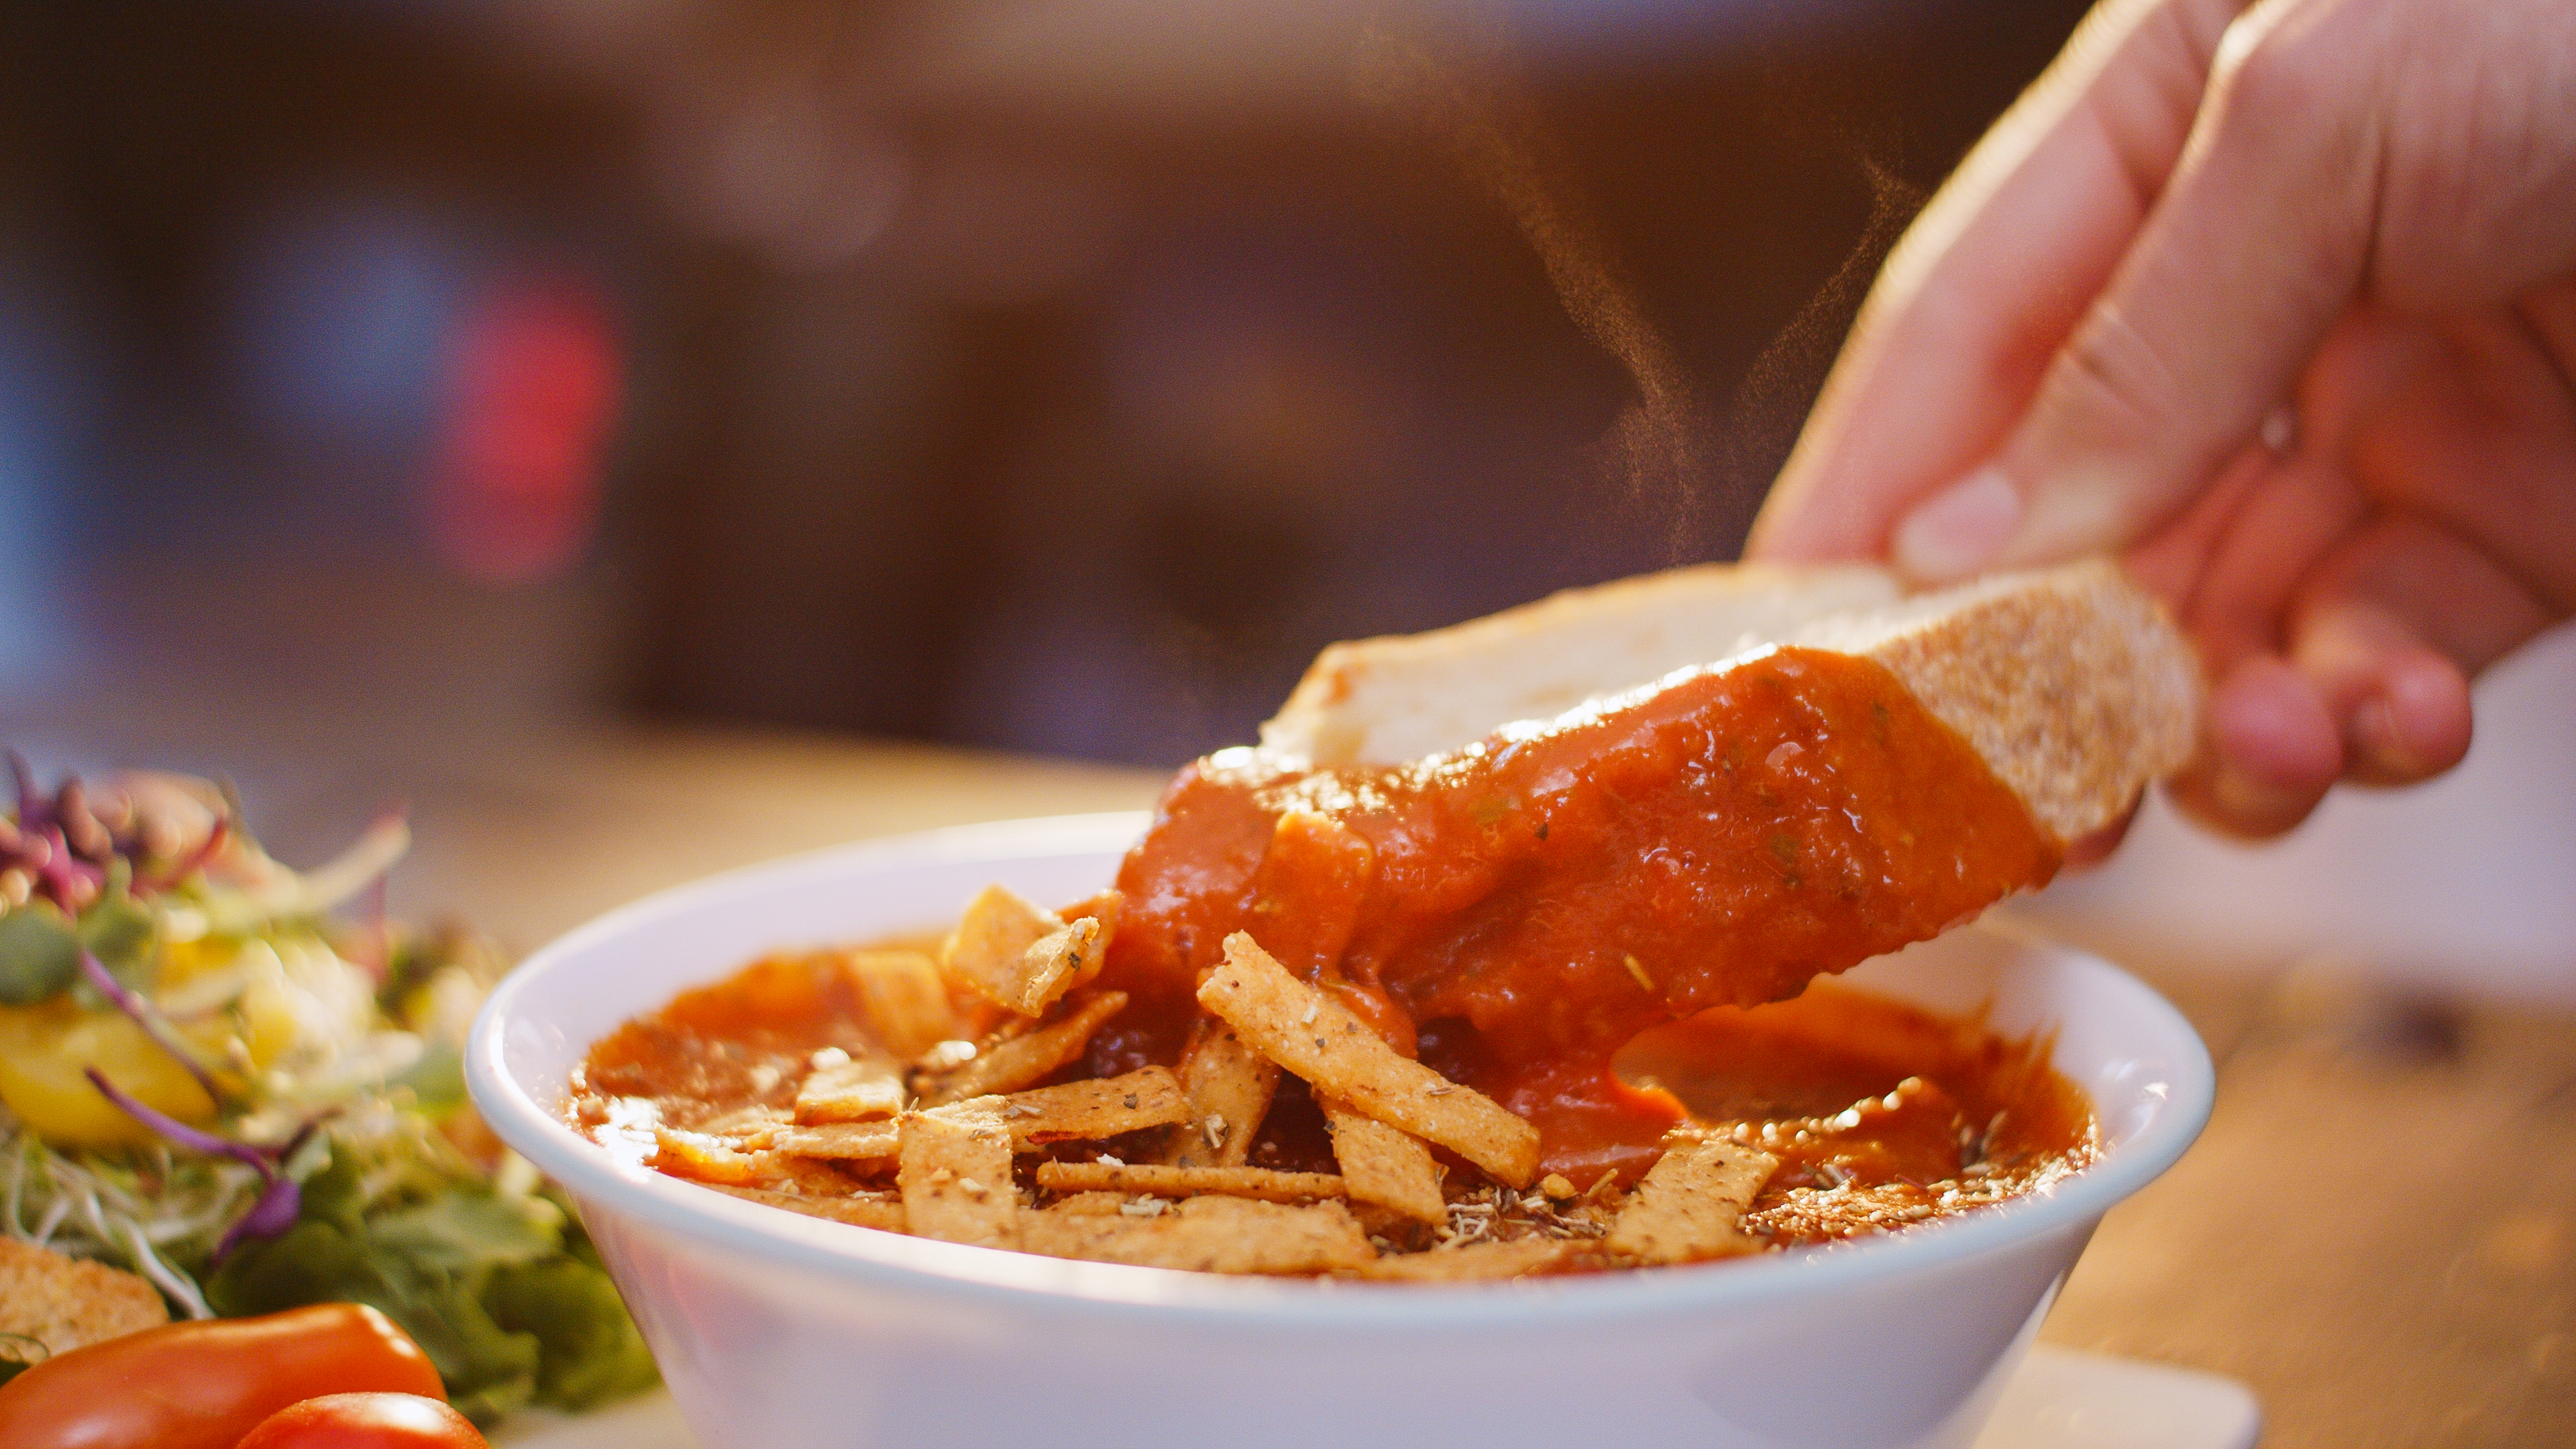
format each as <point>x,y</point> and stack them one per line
<point>592,1353</point>
<point>508,1305</point>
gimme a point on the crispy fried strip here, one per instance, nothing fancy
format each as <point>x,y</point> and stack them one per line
<point>842,1141</point>
<point>1310,1034</point>
<point>1229,1086</point>
<point>1058,961</point>
<point>882,1213</point>
<point>906,998</point>
<point>1101,1107</point>
<point>1088,1204</point>
<point>1207,1235</point>
<point>1383,1164</point>
<point>956,1180</point>
<point>1008,1065</point>
<point>1105,908</point>
<point>1166,1181</point>
<point>1476,1262</point>
<point>1093,1109</point>
<point>1014,953</point>
<point>716,1163</point>
<point>702,1158</point>
<point>1691,1204</point>
<point>864,1089</point>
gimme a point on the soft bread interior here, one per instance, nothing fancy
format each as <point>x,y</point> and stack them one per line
<point>1401,697</point>
<point>2071,682</point>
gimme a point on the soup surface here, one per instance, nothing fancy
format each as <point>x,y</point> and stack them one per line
<point>1880,1114</point>
<point>1540,1005</point>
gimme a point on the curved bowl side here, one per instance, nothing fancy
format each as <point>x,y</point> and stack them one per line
<point>779,1329</point>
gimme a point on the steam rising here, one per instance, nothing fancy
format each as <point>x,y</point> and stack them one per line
<point>1664,445</point>
<point>1658,445</point>
<point>1771,403</point>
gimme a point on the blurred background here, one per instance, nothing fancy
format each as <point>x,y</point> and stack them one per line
<point>1047,374</point>
<point>386,384</point>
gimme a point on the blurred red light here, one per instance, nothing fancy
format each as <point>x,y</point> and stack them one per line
<point>535,376</point>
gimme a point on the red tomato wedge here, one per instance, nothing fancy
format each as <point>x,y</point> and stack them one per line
<point>205,1385</point>
<point>366,1421</point>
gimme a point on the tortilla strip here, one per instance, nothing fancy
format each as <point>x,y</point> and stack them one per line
<point>956,1181</point>
<point>1166,1181</point>
<point>1016,954</point>
<point>862,1089</point>
<point>1093,1109</point>
<point>1088,1204</point>
<point>906,998</point>
<point>1230,1086</point>
<point>1105,908</point>
<point>1012,1063</point>
<point>839,1141</point>
<point>1691,1204</point>
<point>1059,961</point>
<point>1207,1235</point>
<point>702,1158</point>
<point>747,1128</point>
<point>1310,1034</point>
<point>1475,1262</point>
<point>1383,1165</point>
<point>882,1213</point>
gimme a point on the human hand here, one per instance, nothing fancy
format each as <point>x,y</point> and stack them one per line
<point>2280,300</point>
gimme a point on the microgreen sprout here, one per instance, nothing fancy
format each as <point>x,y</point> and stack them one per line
<point>69,847</point>
<point>144,1015</point>
<point>279,1201</point>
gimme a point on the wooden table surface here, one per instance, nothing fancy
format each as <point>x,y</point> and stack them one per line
<point>2378,1231</point>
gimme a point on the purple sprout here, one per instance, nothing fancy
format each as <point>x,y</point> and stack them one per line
<point>66,850</point>
<point>41,847</point>
<point>279,1202</point>
<point>34,810</point>
<point>143,1014</point>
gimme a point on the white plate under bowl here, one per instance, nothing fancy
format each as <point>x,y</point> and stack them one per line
<point>774,1329</point>
<point>2057,1399</point>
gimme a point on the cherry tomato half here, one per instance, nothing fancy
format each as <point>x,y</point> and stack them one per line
<point>205,1385</point>
<point>366,1421</point>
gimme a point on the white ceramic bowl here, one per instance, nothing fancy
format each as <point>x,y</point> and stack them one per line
<point>782,1332</point>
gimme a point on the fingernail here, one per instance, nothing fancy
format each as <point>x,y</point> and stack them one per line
<point>2234,803</point>
<point>1960,530</point>
<point>2379,751</point>
<point>2372,738</point>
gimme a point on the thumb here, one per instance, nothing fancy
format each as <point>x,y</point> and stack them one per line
<point>2255,247</point>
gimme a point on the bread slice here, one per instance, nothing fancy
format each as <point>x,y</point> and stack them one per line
<point>68,1303</point>
<point>2071,682</point>
<point>1403,696</point>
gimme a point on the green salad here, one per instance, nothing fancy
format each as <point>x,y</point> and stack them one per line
<point>240,1082</point>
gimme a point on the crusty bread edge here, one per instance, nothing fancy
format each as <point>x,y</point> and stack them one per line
<point>2071,682</point>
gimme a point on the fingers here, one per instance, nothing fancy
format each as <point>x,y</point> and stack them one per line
<point>2550,313</point>
<point>2270,754</point>
<point>2257,246</point>
<point>2480,439</point>
<point>2384,635</point>
<point>2391,627</point>
<point>1989,281</point>
<point>2171,564</point>
<point>2301,502</point>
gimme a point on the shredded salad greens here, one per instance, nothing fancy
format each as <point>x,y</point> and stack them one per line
<point>240,1082</point>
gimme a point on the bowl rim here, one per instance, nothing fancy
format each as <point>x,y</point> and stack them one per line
<point>1033,1283</point>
